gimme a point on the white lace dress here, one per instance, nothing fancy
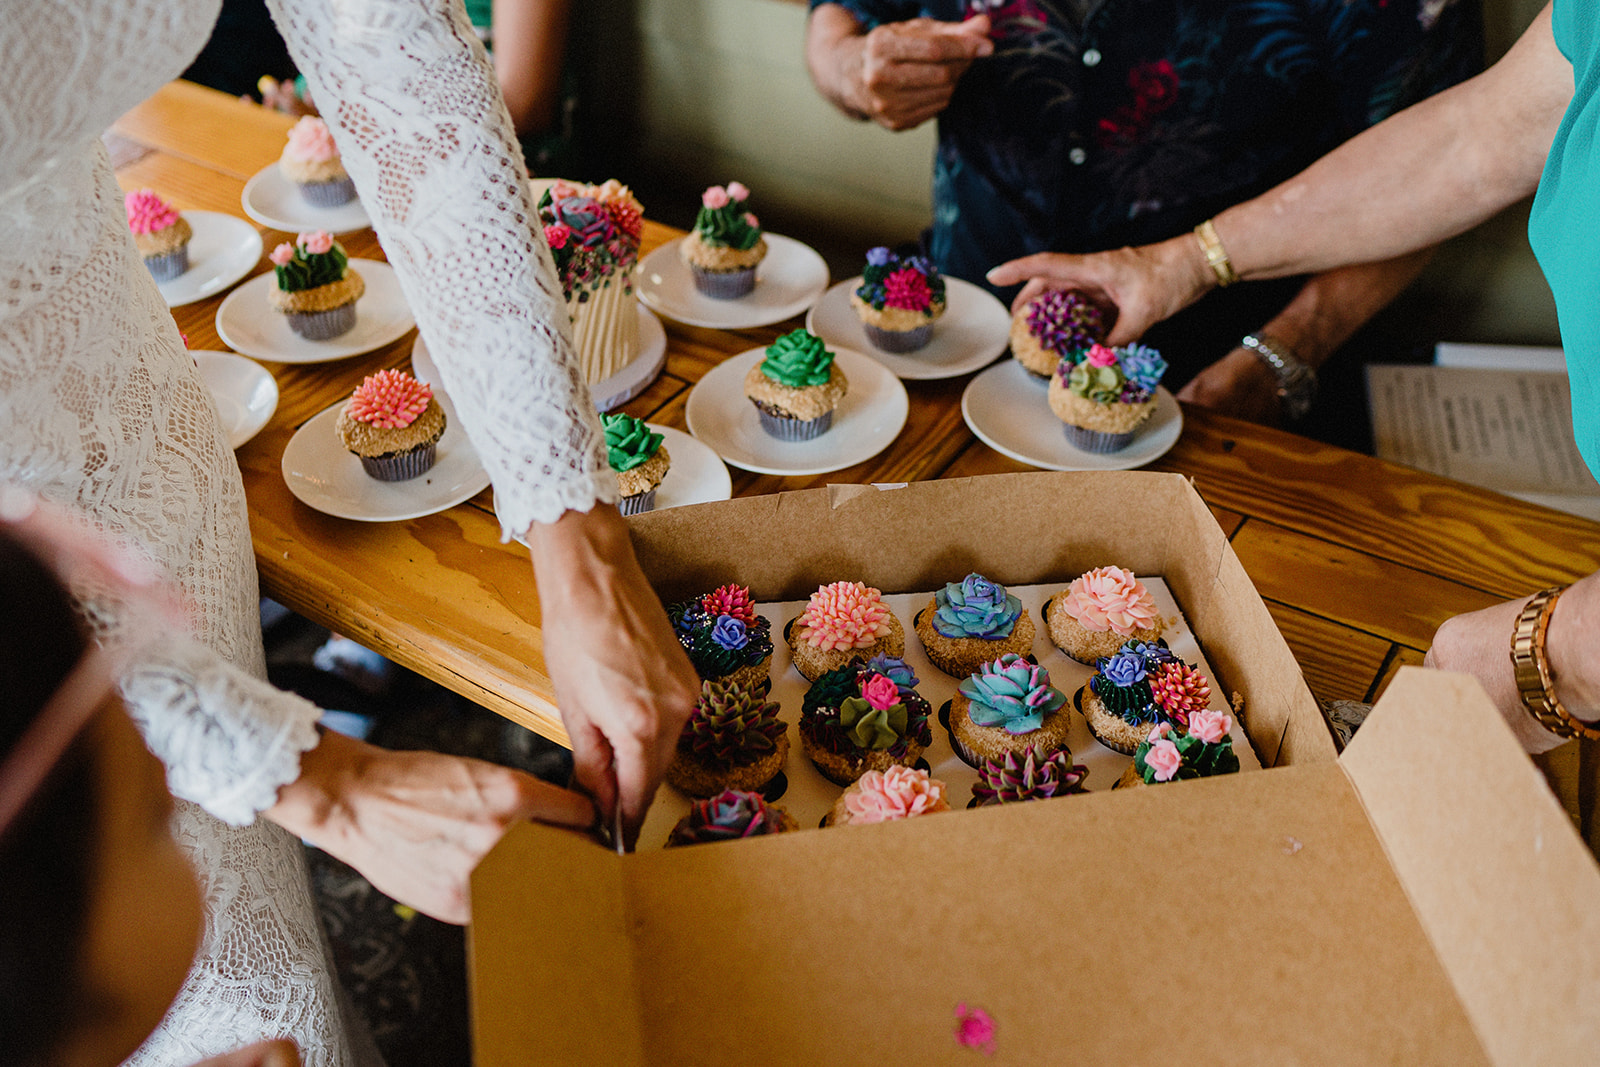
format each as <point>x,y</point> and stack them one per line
<point>100,408</point>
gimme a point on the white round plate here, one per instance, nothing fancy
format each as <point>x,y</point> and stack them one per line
<point>245,392</point>
<point>1007,408</point>
<point>272,200</point>
<point>222,250</point>
<point>869,417</point>
<point>610,393</point>
<point>248,324</point>
<point>325,476</point>
<point>969,335</point>
<point>788,281</point>
<point>697,474</point>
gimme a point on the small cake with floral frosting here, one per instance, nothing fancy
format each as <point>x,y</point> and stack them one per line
<point>393,424</point>
<point>593,232</point>
<point>733,740</point>
<point>887,796</point>
<point>1055,325</point>
<point>971,622</point>
<point>725,637</point>
<point>1106,395</point>
<point>1203,749</point>
<point>865,716</point>
<point>796,387</point>
<point>636,454</point>
<point>1008,705</point>
<point>1142,685</point>
<point>843,621</point>
<point>1030,776</point>
<point>311,162</point>
<point>160,233</point>
<point>1099,612</point>
<point>725,246</point>
<point>728,816</point>
<point>898,300</point>
<point>317,288</point>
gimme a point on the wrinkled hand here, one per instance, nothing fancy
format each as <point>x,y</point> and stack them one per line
<point>1478,643</point>
<point>909,70</point>
<point>279,1053</point>
<point>1238,384</point>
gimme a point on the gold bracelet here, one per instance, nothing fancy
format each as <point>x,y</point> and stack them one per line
<point>1531,668</point>
<point>1216,255</point>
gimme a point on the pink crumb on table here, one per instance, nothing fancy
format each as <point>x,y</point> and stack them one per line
<point>974,1029</point>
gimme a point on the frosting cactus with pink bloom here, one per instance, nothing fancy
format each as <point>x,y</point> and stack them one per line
<point>723,221</point>
<point>844,615</point>
<point>889,795</point>
<point>389,400</point>
<point>724,635</point>
<point>728,816</point>
<point>1011,693</point>
<point>1179,690</point>
<point>315,259</point>
<point>1032,776</point>
<point>1203,751</point>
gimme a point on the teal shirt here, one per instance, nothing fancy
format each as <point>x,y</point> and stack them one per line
<point>1565,225</point>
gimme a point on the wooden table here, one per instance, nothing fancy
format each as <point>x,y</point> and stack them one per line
<point>1359,560</point>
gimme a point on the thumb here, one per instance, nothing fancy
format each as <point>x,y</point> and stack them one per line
<point>976,28</point>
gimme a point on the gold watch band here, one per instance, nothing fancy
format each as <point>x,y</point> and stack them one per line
<point>1216,256</point>
<point>1531,668</point>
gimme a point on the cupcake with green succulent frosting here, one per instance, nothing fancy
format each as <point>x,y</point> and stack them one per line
<point>733,740</point>
<point>725,246</point>
<point>865,716</point>
<point>640,461</point>
<point>1200,749</point>
<point>1143,685</point>
<point>728,816</point>
<point>898,300</point>
<point>1007,706</point>
<point>1104,395</point>
<point>1033,775</point>
<point>726,638</point>
<point>796,387</point>
<point>317,288</point>
<point>970,622</point>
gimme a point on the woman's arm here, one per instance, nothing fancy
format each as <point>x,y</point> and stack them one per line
<point>530,45</point>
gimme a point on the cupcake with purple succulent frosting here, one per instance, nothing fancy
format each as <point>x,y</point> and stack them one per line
<point>1029,776</point>
<point>726,639</point>
<point>1106,394</point>
<point>1143,685</point>
<point>898,300</point>
<point>971,622</point>
<point>865,716</point>
<point>728,816</point>
<point>733,740</point>
<point>1055,325</point>
<point>1005,707</point>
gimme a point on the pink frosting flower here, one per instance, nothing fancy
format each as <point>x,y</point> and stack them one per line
<point>974,1029</point>
<point>389,400</point>
<point>557,234</point>
<point>1110,598</point>
<point>309,139</point>
<point>147,212</point>
<point>844,615</point>
<point>737,192</point>
<point>1179,690</point>
<point>282,254</point>
<point>880,692</point>
<point>1158,731</point>
<point>715,197</point>
<point>898,793</point>
<point>1101,356</point>
<point>907,288</point>
<point>731,600</point>
<point>1163,758</point>
<point>317,243</point>
<point>1210,726</point>
<point>751,221</point>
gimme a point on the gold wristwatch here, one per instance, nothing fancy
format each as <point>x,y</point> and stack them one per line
<point>1535,684</point>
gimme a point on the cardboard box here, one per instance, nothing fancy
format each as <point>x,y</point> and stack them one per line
<point>1421,899</point>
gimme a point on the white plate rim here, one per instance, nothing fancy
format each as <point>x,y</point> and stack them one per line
<point>732,314</point>
<point>680,445</point>
<point>381,282</point>
<point>252,371</point>
<point>247,240</point>
<point>912,366</point>
<point>333,221</point>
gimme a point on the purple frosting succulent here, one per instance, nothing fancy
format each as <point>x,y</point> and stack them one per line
<point>1124,669</point>
<point>729,633</point>
<point>1064,322</point>
<point>878,257</point>
<point>728,815</point>
<point>896,670</point>
<point>976,607</point>
<point>1143,366</point>
<point>1011,693</point>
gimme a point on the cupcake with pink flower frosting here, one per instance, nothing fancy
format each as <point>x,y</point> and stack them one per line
<point>729,816</point>
<point>1007,707</point>
<point>1143,685</point>
<point>317,288</point>
<point>865,716</point>
<point>898,300</point>
<point>726,638</point>
<point>160,233</point>
<point>1100,611</point>
<point>725,246</point>
<point>888,796</point>
<point>1055,325</point>
<point>392,423</point>
<point>842,621</point>
<point>1202,749</point>
<point>310,161</point>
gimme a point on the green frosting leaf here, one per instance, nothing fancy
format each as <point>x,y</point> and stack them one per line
<point>1103,385</point>
<point>725,227</point>
<point>308,270</point>
<point>629,442</point>
<point>870,727</point>
<point>798,359</point>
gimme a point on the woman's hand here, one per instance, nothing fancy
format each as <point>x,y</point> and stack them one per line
<point>1238,384</point>
<point>279,1053</point>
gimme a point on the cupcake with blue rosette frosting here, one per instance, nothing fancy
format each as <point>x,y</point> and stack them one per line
<point>1143,685</point>
<point>726,639</point>
<point>1006,706</point>
<point>1104,395</point>
<point>864,716</point>
<point>898,300</point>
<point>796,387</point>
<point>971,622</point>
<point>639,459</point>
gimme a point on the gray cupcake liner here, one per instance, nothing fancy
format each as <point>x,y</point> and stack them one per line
<point>638,503</point>
<point>724,284</point>
<point>167,267</point>
<point>794,429</point>
<point>401,466</point>
<point>328,194</point>
<point>898,340</point>
<point>1095,441</point>
<point>323,325</point>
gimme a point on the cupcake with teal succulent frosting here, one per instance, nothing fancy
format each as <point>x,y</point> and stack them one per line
<point>733,740</point>
<point>639,459</point>
<point>1105,394</point>
<point>1055,325</point>
<point>1005,707</point>
<point>898,300</point>
<point>971,622</point>
<point>729,816</point>
<point>725,637</point>
<point>1143,685</point>
<point>1200,749</point>
<point>726,245</point>
<point>796,387</point>
<point>865,716</point>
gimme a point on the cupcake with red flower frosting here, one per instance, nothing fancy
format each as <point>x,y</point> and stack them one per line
<point>733,740</point>
<point>310,162</point>
<point>317,288</point>
<point>888,796</point>
<point>842,621</point>
<point>725,246</point>
<point>1143,685</point>
<point>1008,706</point>
<point>1202,749</point>
<point>898,300</point>
<point>970,622</point>
<point>1033,775</point>
<point>161,234</point>
<point>1099,612</point>
<point>1103,395</point>
<point>1054,325</point>
<point>726,638</point>
<point>864,716</point>
<point>392,423</point>
<point>728,816</point>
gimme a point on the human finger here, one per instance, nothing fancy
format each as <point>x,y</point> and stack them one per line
<point>928,41</point>
<point>591,763</point>
<point>279,1052</point>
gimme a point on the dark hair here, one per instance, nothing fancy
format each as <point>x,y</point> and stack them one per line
<point>46,854</point>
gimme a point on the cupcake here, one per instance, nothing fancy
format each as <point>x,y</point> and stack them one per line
<point>1099,612</point>
<point>970,623</point>
<point>842,621</point>
<point>1030,776</point>
<point>1105,396</point>
<point>311,162</point>
<point>727,816</point>
<point>725,246</point>
<point>865,716</point>
<point>161,234</point>
<point>1202,750</point>
<point>726,640</point>
<point>635,453</point>
<point>317,288</point>
<point>733,740</point>
<point>1141,686</point>
<point>898,300</point>
<point>796,387</point>
<point>1010,706</point>
<point>885,796</point>
<point>1054,325</point>
<point>393,424</point>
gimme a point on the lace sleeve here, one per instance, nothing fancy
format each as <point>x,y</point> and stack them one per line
<point>417,116</point>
